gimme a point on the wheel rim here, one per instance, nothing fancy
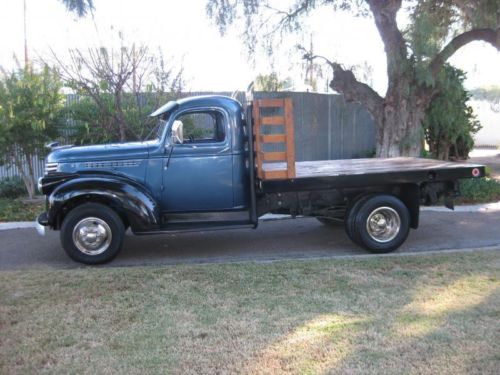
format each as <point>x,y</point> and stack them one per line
<point>383,224</point>
<point>92,236</point>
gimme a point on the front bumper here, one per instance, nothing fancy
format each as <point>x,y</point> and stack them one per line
<point>41,223</point>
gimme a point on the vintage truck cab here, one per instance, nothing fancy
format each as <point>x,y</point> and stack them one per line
<point>203,171</point>
<point>196,163</point>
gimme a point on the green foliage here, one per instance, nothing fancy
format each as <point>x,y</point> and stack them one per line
<point>30,104</point>
<point>80,7</point>
<point>479,190</point>
<point>93,123</point>
<point>488,171</point>
<point>29,108</point>
<point>433,23</point>
<point>449,122</point>
<point>19,209</point>
<point>269,82</point>
<point>12,187</point>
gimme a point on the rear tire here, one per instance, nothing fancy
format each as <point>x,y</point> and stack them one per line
<point>381,223</point>
<point>350,217</point>
<point>92,233</point>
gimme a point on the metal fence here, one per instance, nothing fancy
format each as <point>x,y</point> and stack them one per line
<point>326,127</point>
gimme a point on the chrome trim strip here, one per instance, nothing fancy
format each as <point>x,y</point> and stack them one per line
<point>112,163</point>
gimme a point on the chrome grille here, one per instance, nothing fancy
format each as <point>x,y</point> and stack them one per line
<point>51,168</point>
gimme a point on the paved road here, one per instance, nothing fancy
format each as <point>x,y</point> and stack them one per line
<point>280,239</point>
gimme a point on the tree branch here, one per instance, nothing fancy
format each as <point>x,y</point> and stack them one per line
<point>384,13</point>
<point>346,83</point>
<point>488,35</point>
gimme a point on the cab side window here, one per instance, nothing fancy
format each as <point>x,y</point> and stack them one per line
<point>203,127</point>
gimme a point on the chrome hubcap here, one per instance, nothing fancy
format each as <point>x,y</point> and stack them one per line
<point>383,224</point>
<point>92,236</point>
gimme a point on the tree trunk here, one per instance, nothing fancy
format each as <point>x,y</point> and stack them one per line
<point>120,117</point>
<point>29,180</point>
<point>399,129</point>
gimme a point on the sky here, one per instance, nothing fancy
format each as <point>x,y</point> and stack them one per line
<point>212,62</point>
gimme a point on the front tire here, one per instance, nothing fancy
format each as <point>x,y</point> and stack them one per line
<point>92,233</point>
<point>381,223</point>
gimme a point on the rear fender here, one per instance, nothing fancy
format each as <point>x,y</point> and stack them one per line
<point>410,195</point>
<point>127,197</point>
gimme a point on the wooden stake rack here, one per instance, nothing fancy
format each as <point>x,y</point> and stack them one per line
<point>286,158</point>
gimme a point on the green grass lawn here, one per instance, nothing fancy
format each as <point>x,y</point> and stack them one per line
<point>422,314</point>
<point>20,209</point>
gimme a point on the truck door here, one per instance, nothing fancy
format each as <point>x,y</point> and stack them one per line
<point>199,175</point>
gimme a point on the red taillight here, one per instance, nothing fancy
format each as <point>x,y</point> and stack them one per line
<point>476,172</point>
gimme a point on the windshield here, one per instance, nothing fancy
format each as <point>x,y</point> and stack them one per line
<point>157,131</point>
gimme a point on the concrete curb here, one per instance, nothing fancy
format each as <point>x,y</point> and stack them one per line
<point>17,225</point>
<point>487,207</point>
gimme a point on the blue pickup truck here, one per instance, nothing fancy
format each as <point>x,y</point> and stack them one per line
<point>215,165</point>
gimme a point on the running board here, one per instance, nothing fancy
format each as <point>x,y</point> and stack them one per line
<point>199,227</point>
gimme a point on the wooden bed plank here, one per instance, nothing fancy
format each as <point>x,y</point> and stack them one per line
<point>272,120</point>
<point>273,138</point>
<point>347,167</point>
<point>275,175</point>
<point>273,156</point>
<point>270,102</point>
<point>290,139</point>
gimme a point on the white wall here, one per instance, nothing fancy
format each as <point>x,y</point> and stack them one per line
<point>489,135</point>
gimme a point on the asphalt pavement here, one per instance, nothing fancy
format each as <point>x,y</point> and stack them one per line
<point>300,238</point>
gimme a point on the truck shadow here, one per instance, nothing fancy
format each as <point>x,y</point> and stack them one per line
<point>279,239</point>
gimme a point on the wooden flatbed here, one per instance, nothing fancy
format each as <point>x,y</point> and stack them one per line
<point>328,174</point>
<point>305,169</point>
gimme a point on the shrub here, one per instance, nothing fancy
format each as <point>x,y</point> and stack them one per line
<point>12,187</point>
<point>480,190</point>
<point>450,123</point>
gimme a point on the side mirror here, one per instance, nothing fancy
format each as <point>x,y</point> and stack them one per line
<point>177,132</point>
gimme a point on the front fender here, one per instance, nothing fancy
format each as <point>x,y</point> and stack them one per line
<point>126,196</point>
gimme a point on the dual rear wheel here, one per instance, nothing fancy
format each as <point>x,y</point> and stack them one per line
<point>379,223</point>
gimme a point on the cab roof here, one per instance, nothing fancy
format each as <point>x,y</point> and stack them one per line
<point>193,101</point>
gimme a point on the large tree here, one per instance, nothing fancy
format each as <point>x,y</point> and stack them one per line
<point>415,55</point>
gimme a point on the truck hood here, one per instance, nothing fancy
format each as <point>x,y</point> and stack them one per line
<point>115,151</point>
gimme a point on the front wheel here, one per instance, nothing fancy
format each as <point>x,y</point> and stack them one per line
<point>92,233</point>
<point>381,223</point>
